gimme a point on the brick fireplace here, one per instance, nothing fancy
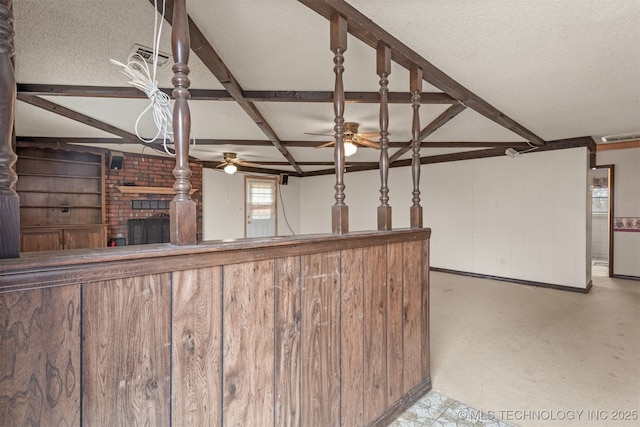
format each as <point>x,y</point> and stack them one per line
<point>128,196</point>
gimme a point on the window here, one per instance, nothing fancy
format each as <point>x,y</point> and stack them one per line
<point>600,200</point>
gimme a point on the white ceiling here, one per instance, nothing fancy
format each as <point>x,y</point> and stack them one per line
<point>560,68</point>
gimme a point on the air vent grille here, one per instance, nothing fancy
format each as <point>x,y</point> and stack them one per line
<point>621,138</point>
<point>146,53</point>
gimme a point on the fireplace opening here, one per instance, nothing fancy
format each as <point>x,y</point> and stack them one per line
<point>154,229</point>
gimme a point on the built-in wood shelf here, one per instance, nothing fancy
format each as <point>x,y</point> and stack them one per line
<point>149,190</point>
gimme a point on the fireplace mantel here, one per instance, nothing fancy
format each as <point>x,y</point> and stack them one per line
<point>138,189</point>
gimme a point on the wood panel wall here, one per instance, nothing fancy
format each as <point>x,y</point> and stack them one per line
<point>307,333</point>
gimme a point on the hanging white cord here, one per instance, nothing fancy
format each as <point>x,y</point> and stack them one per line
<point>144,79</point>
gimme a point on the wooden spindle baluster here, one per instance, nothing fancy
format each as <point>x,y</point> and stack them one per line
<point>182,209</point>
<point>339,211</point>
<point>9,200</point>
<point>383,65</point>
<point>416,89</point>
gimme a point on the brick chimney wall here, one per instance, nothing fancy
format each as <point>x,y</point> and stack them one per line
<point>146,171</point>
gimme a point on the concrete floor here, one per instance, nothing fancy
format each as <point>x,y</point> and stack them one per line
<point>538,357</point>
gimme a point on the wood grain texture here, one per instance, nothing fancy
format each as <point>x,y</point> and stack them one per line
<point>248,371</point>
<point>321,339</point>
<point>197,348</point>
<point>425,311</point>
<point>395,323</point>
<point>287,341</point>
<point>40,357</point>
<point>352,327</point>
<point>412,314</point>
<point>375,331</point>
<point>126,352</point>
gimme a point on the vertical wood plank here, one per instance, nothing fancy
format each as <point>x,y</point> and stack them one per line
<point>412,314</point>
<point>424,315</point>
<point>395,350</point>
<point>352,309</point>
<point>248,344</point>
<point>287,341</point>
<point>126,351</point>
<point>321,339</point>
<point>197,348</point>
<point>40,357</point>
<point>375,343</point>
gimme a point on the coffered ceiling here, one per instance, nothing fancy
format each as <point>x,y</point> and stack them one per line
<point>559,69</point>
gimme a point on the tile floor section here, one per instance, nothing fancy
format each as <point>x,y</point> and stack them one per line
<point>437,410</point>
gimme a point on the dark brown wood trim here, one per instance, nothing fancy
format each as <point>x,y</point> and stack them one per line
<point>182,210</point>
<point>223,95</point>
<point>611,178</point>
<point>403,404</point>
<point>210,58</point>
<point>74,115</point>
<point>9,200</point>
<point>267,143</point>
<point>370,33</point>
<point>622,276</point>
<point>435,124</point>
<point>517,281</point>
<point>48,269</point>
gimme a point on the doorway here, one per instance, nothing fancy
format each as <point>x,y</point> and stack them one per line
<point>260,207</point>
<point>601,217</point>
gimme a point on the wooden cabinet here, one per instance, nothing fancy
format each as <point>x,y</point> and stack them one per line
<point>33,239</point>
<point>61,199</point>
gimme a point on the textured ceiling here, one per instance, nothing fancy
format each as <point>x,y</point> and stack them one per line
<point>560,68</point>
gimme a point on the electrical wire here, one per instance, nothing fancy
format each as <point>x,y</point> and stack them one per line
<point>144,79</point>
<point>284,213</point>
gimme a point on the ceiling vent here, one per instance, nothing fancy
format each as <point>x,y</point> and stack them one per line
<point>146,53</point>
<point>621,138</point>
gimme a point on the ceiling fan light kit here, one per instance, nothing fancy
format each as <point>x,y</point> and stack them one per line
<point>230,168</point>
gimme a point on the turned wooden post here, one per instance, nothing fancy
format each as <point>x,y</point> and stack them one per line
<point>383,68</point>
<point>9,200</point>
<point>339,211</point>
<point>182,209</point>
<point>416,88</point>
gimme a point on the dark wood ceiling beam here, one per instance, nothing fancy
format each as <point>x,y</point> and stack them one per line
<point>210,58</point>
<point>267,143</point>
<point>561,144</point>
<point>74,115</point>
<point>223,95</point>
<point>370,33</point>
<point>436,124</point>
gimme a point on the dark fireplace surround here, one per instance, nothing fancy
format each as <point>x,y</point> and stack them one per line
<point>154,229</point>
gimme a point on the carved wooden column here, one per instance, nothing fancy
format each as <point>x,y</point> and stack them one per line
<point>339,211</point>
<point>182,209</point>
<point>9,200</point>
<point>416,88</point>
<point>383,65</point>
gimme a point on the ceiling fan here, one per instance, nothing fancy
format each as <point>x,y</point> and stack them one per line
<point>351,139</point>
<point>231,162</point>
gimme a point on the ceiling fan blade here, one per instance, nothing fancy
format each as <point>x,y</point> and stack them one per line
<point>326,144</point>
<point>221,165</point>
<point>319,134</point>
<point>249,164</point>
<point>367,143</point>
<point>366,134</point>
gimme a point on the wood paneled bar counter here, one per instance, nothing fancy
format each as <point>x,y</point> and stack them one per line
<point>315,330</point>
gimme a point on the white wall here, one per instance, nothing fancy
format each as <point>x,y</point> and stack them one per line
<point>223,205</point>
<point>626,245</point>
<point>522,218</point>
